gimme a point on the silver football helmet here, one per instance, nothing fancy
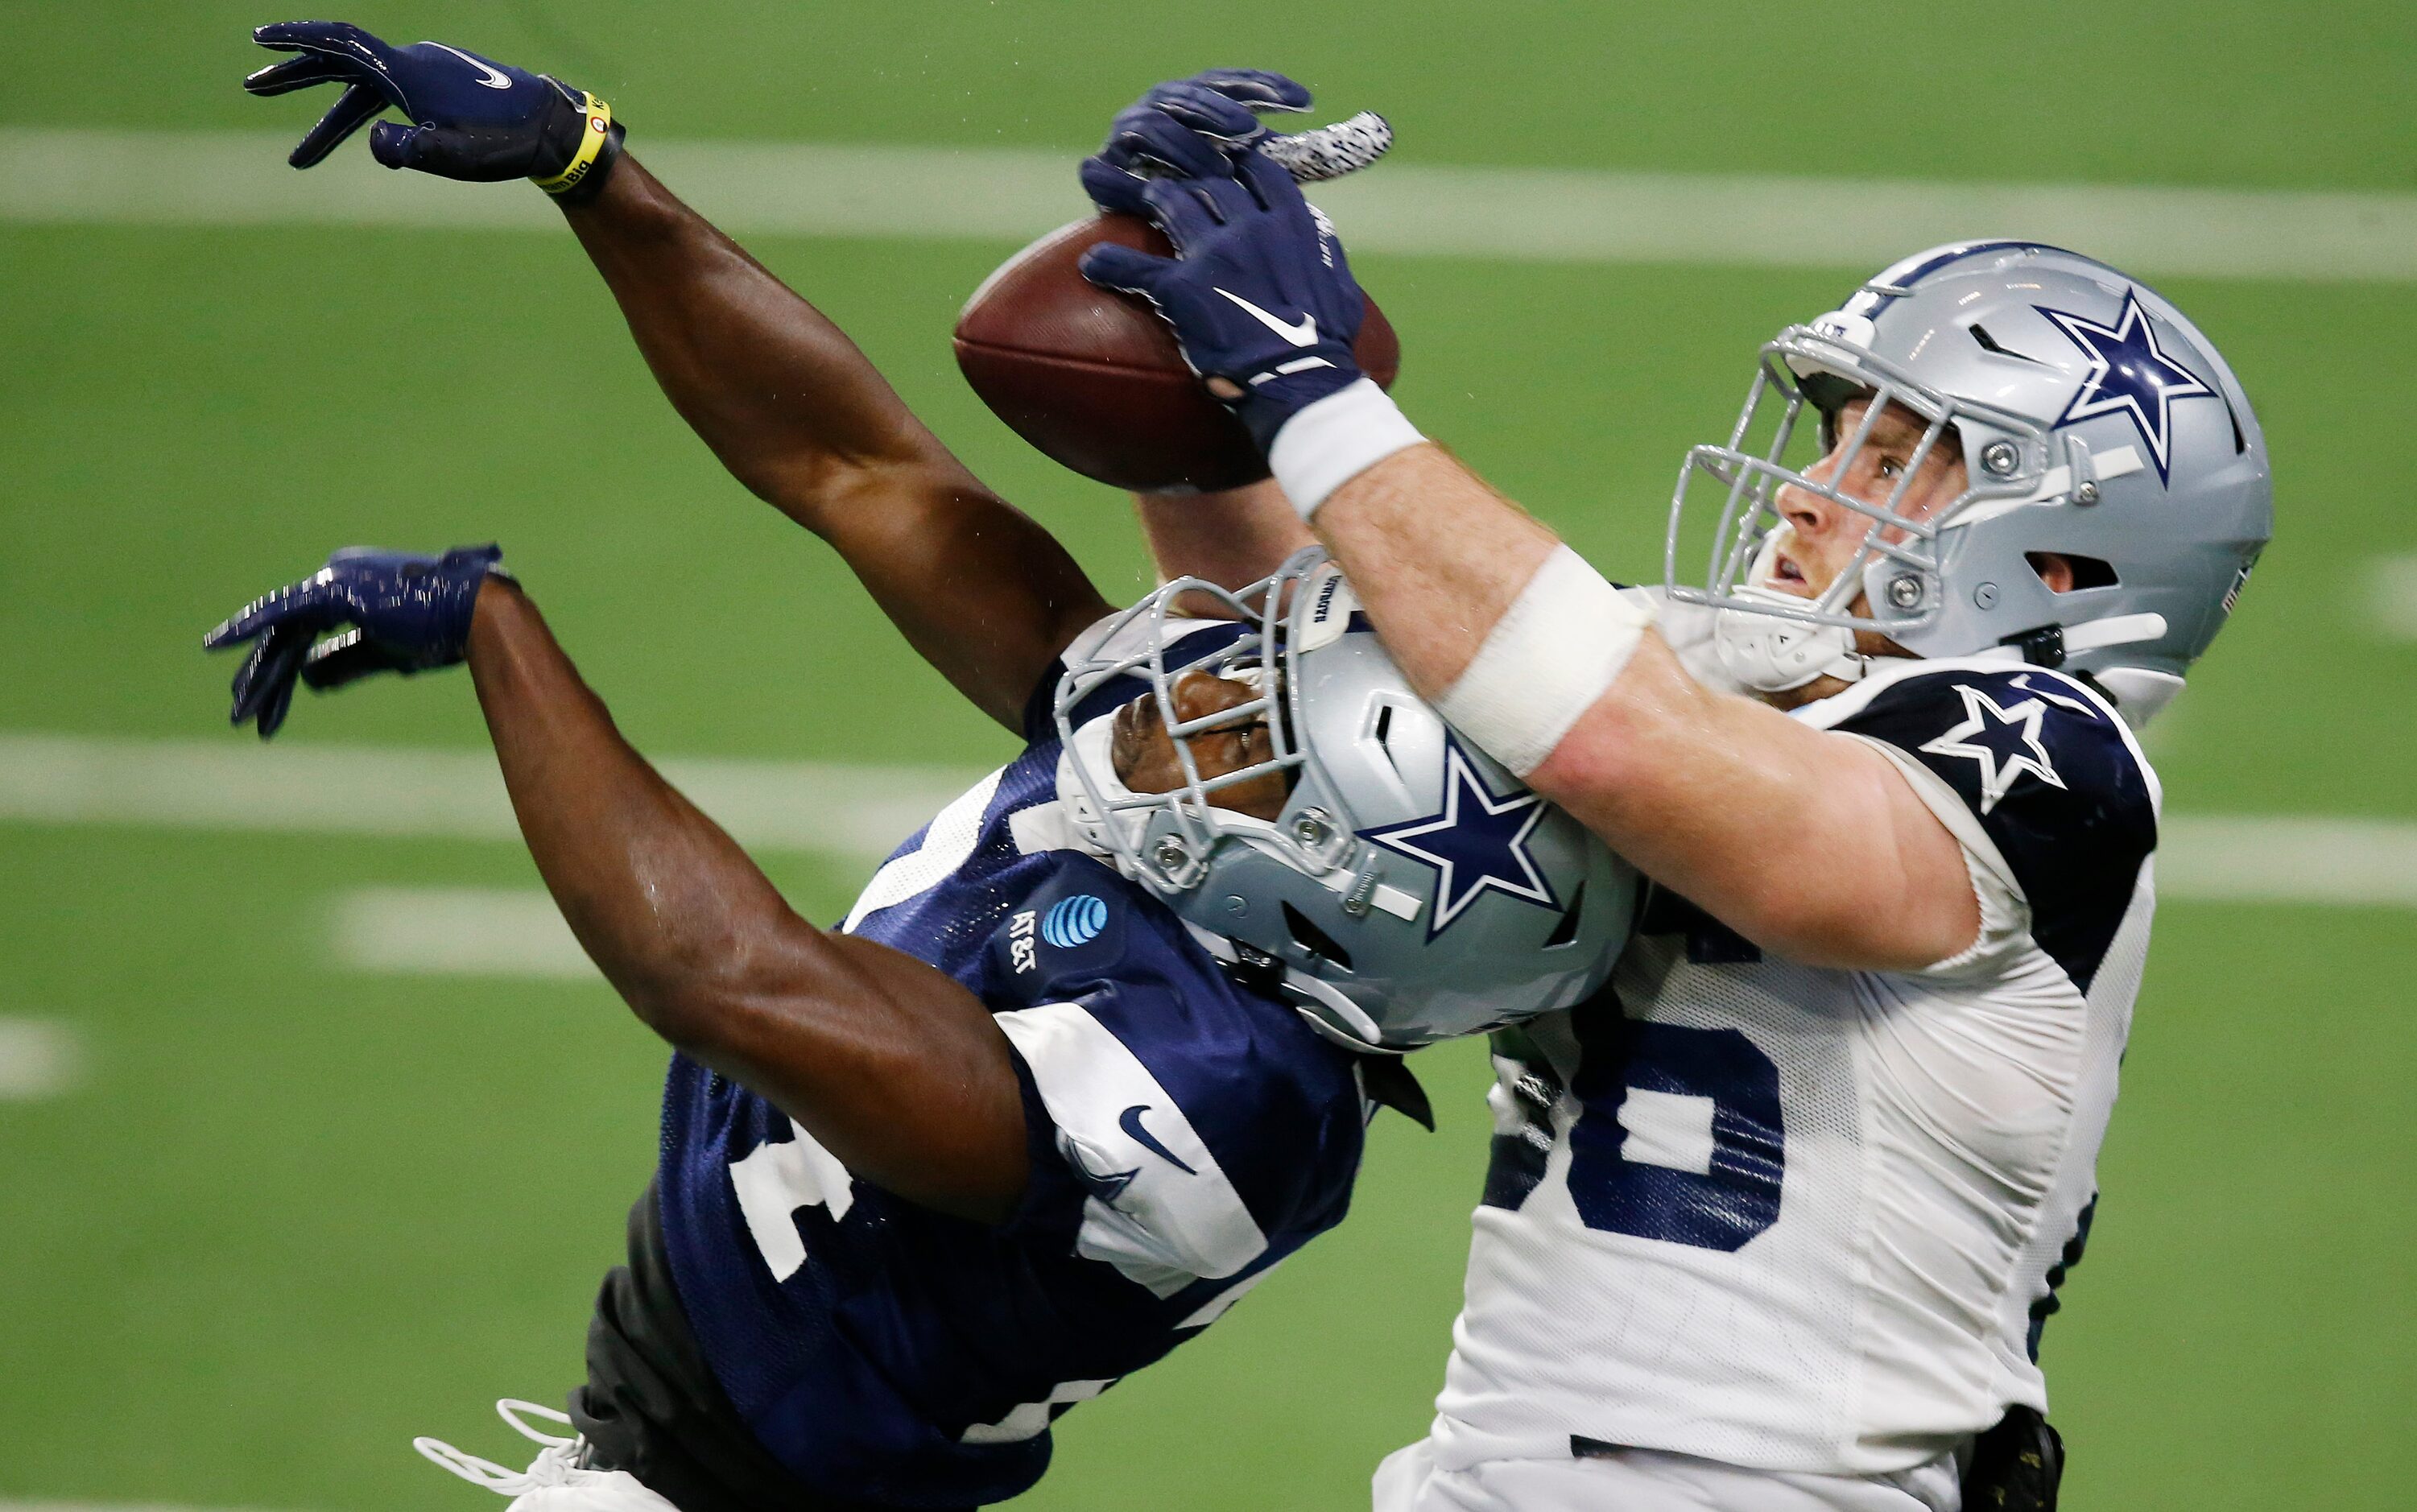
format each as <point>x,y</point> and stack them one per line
<point>1411,889</point>
<point>2094,422</point>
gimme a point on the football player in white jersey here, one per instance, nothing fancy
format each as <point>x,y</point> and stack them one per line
<point>1775,1225</point>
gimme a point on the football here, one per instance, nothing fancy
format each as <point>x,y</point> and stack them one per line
<point>1092,378</point>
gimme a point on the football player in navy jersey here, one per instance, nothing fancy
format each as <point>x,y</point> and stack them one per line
<point>1775,1225</point>
<point>1092,1052</point>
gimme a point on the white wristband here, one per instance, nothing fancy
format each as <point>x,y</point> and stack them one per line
<point>1551,655</point>
<point>1336,439</point>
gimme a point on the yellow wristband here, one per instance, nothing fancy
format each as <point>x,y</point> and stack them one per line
<point>592,146</point>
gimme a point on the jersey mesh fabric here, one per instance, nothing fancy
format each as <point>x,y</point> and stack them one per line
<point>1800,1220</point>
<point>1186,1135</point>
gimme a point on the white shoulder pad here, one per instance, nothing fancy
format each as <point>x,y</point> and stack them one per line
<point>1162,1212</point>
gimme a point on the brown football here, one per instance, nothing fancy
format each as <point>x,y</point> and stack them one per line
<point>1092,378</point>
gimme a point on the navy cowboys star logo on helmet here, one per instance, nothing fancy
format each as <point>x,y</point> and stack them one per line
<point>1479,842</point>
<point>2129,374</point>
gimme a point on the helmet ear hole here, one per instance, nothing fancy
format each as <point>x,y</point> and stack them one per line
<point>1567,930</point>
<point>1311,938</point>
<point>2088,571</point>
<point>1383,734</point>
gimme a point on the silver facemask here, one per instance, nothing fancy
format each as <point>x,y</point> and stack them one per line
<point>2094,421</point>
<point>1364,900</point>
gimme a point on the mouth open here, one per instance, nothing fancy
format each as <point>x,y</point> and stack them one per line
<point>1788,577</point>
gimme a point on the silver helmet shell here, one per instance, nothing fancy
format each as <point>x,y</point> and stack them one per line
<point>1410,890</point>
<point>2094,422</point>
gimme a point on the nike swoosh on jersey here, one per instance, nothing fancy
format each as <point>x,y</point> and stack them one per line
<point>492,80</point>
<point>1129,1121</point>
<point>1302,334</point>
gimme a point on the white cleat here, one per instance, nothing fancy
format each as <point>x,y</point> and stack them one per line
<point>557,1480</point>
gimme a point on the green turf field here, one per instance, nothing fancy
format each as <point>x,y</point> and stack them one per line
<point>295,1214</point>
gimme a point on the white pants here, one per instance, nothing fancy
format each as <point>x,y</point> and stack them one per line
<point>1632,1480</point>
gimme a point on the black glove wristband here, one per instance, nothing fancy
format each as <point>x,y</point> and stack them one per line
<point>586,142</point>
<point>591,183</point>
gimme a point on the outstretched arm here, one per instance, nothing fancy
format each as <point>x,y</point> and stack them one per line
<point>892,1065</point>
<point>787,400</point>
<point>803,419</point>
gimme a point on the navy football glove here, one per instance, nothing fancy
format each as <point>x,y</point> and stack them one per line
<point>1187,126</point>
<point>1199,126</point>
<point>1259,291</point>
<point>406,614</point>
<point>470,118</point>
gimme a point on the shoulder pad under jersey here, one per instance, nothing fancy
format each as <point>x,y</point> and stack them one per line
<point>2051,774</point>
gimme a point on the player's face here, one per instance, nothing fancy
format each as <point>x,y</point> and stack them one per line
<point>1146,761</point>
<point>1825,535</point>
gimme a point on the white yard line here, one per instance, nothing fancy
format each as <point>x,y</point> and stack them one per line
<point>2392,595</point>
<point>459,932</point>
<point>860,812</point>
<point>2289,859</point>
<point>2268,860</point>
<point>90,176</point>
<point>40,1059</point>
<point>456,931</point>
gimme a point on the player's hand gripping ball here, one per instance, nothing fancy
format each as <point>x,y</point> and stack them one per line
<point>396,611</point>
<point>469,117</point>
<point>1094,377</point>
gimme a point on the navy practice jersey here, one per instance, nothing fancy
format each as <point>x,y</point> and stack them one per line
<point>1795,1218</point>
<point>1186,1134</point>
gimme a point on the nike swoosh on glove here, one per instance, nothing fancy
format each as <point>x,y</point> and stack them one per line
<point>398,613</point>
<point>1258,292</point>
<point>470,117</point>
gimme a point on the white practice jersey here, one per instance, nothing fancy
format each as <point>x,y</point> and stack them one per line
<point>1812,1220</point>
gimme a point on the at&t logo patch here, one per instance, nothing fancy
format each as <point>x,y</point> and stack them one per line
<point>1072,921</point>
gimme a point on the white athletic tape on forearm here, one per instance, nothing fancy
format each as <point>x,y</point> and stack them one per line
<point>1325,152</point>
<point>1545,662</point>
<point>1336,440</point>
